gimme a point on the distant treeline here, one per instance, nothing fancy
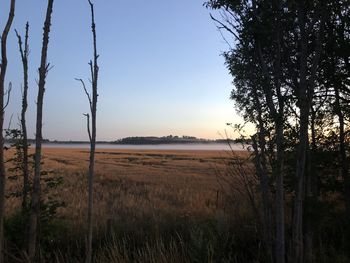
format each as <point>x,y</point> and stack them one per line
<point>30,141</point>
<point>144,140</point>
<point>168,140</point>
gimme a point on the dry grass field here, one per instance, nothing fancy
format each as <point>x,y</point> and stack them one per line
<point>143,195</point>
<point>143,183</point>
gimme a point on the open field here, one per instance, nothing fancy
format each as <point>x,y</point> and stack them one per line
<point>149,196</point>
<point>153,182</point>
<point>149,206</point>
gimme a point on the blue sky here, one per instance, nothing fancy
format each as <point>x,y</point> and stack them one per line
<point>161,71</point>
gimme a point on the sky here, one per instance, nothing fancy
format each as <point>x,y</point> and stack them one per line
<point>161,71</point>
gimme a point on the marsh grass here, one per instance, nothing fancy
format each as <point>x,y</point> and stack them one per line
<point>149,206</point>
<point>158,206</point>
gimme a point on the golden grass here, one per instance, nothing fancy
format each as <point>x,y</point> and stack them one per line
<point>133,184</point>
<point>149,206</point>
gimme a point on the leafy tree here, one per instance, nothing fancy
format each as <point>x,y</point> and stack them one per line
<point>289,88</point>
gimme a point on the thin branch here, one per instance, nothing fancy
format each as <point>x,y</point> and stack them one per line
<point>223,26</point>
<point>48,68</point>
<point>224,38</point>
<point>88,125</point>
<point>10,122</point>
<point>316,58</point>
<point>92,72</point>
<point>86,92</point>
<point>26,45</point>
<point>267,90</point>
<point>20,44</point>
<point>293,111</point>
<point>8,93</point>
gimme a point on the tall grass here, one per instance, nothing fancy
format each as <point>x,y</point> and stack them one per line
<point>155,207</point>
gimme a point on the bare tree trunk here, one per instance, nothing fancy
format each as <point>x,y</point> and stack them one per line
<point>305,94</point>
<point>277,115</point>
<point>280,231</point>
<point>24,56</point>
<point>342,150</point>
<point>279,122</point>
<point>3,68</point>
<point>311,191</point>
<point>261,169</point>
<point>93,106</point>
<point>36,195</point>
<point>299,198</point>
<point>310,200</point>
<point>303,138</point>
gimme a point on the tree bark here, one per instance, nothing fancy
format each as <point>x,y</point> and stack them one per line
<point>3,68</point>
<point>36,194</point>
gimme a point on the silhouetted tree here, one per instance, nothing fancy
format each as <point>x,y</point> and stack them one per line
<point>250,64</point>
<point>286,86</point>
<point>24,52</point>
<point>36,194</point>
<point>3,68</point>
<point>94,70</point>
<point>336,79</point>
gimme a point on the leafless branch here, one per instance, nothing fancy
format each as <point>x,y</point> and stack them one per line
<point>8,95</point>
<point>86,92</point>
<point>20,44</point>
<point>92,72</point>
<point>48,67</point>
<point>10,122</point>
<point>87,115</point>
<point>223,26</point>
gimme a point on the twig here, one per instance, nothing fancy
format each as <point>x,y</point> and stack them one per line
<point>87,115</point>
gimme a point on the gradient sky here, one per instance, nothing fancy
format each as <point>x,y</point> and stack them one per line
<point>161,71</point>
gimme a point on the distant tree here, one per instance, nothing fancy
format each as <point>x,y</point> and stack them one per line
<point>36,194</point>
<point>3,68</point>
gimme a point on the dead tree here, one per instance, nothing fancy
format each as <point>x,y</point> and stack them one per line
<point>35,202</point>
<point>94,69</point>
<point>3,68</point>
<point>24,52</point>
